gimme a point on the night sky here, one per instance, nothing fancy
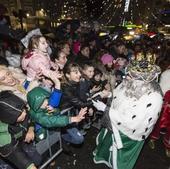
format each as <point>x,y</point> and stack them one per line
<point>93,8</point>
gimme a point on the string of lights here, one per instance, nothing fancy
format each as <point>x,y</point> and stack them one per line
<point>116,9</point>
<point>107,11</point>
<point>110,9</point>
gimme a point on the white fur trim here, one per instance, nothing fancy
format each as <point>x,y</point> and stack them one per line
<point>135,118</point>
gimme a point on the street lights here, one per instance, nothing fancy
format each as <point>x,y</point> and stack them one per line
<point>20,15</point>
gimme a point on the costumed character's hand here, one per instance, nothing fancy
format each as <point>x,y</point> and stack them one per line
<point>80,116</point>
<point>99,105</point>
<point>30,135</point>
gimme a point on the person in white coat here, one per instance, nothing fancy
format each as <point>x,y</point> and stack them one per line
<point>128,121</point>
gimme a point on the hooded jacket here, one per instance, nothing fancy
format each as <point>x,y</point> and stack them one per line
<point>11,131</point>
<point>39,115</point>
<point>35,61</point>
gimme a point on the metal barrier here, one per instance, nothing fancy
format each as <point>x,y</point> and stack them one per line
<point>52,138</point>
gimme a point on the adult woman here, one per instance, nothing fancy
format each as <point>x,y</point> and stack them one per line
<point>13,80</point>
<point>59,58</point>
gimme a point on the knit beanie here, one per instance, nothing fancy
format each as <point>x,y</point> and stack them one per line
<point>106,58</point>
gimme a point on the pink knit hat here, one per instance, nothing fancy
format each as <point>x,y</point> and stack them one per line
<point>106,58</point>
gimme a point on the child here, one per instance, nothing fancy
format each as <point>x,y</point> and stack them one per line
<point>119,66</point>
<point>85,82</point>
<point>97,81</point>
<point>37,61</point>
<point>16,132</point>
<point>86,91</point>
<point>38,101</point>
<point>83,55</point>
<point>108,70</point>
<point>71,98</point>
<point>71,88</point>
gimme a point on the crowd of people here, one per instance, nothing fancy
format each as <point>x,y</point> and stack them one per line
<point>119,84</point>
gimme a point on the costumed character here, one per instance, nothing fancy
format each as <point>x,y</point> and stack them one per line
<point>134,110</point>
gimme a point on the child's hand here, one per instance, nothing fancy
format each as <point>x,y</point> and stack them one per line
<point>55,75</point>
<point>58,74</point>
<point>80,116</point>
<point>105,94</point>
<point>50,109</point>
<point>54,66</point>
<point>95,89</point>
<point>39,74</point>
<point>90,112</point>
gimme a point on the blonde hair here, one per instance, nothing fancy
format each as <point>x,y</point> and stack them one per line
<point>2,67</point>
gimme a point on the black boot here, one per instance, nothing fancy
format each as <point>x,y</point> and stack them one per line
<point>66,148</point>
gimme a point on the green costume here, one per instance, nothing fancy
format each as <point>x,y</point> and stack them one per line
<point>105,149</point>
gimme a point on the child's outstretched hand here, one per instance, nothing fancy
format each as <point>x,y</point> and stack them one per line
<point>95,89</point>
<point>80,116</point>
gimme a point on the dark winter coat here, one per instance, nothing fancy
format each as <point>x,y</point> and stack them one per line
<point>71,96</point>
<point>85,86</point>
<point>11,132</point>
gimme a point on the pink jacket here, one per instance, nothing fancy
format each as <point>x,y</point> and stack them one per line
<point>35,62</point>
<point>76,47</point>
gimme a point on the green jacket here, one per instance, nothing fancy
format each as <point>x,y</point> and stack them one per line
<point>41,116</point>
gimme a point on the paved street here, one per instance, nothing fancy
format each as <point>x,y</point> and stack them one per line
<point>83,159</point>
